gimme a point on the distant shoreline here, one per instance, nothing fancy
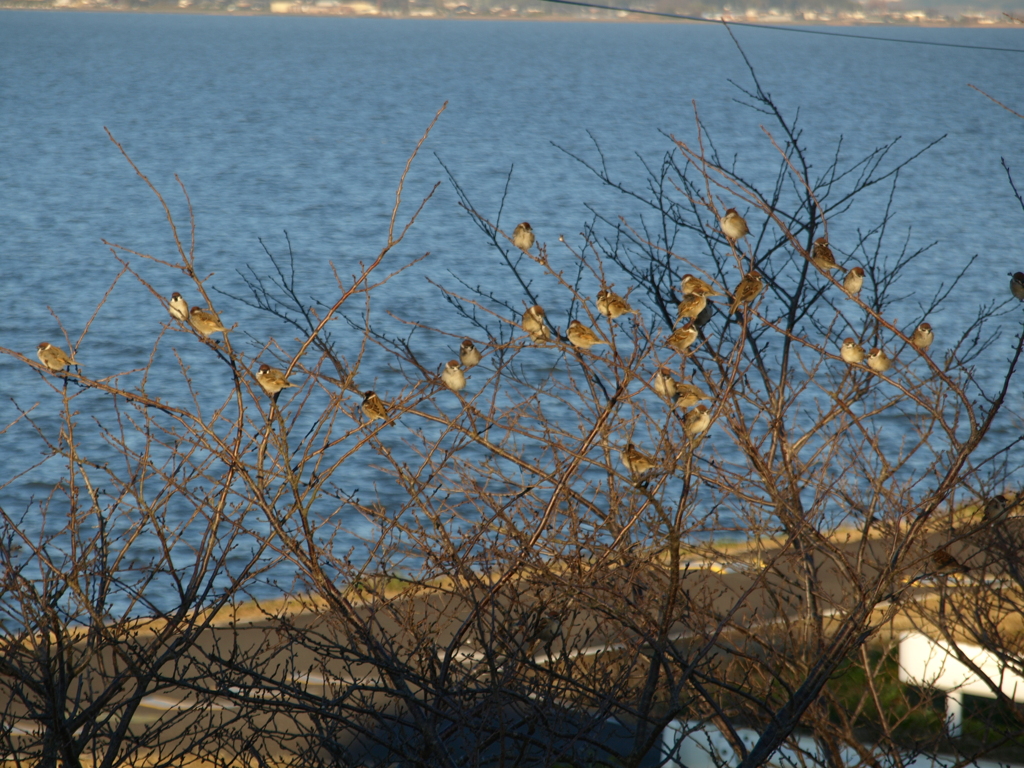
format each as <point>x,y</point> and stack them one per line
<point>606,18</point>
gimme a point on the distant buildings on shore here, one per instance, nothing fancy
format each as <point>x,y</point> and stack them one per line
<point>843,12</point>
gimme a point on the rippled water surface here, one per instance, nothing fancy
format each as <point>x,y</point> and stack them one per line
<point>304,125</point>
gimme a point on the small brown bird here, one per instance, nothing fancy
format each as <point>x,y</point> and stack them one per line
<point>1017,285</point>
<point>612,305</point>
<point>664,385</point>
<point>634,461</point>
<point>878,361</point>
<point>998,508</point>
<point>533,324</point>
<point>854,281</point>
<point>923,336</point>
<point>733,225</point>
<point>581,336</point>
<point>748,289</point>
<point>549,626</point>
<point>205,322</point>
<point>272,380</point>
<point>453,377</point>
<point>469,355</point>
<point>821,255</point>
<point>54,358</point>
<point>852,352</point>
<point>177,308</point>
<point>693,284</point>
<point>946,563</point>
<point>682,338</point>
<point>696,421</point>
<point>522,236</point>
<point>689,395</point>
<point>705,316</point>
<point>373,407</point>
<point>691,306</point>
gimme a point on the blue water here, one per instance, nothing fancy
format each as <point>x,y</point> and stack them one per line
<point>304,126</point>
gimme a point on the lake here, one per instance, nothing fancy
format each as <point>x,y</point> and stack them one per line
<point>304,125</point>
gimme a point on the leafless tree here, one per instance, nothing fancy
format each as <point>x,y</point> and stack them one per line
<point>563,560</point>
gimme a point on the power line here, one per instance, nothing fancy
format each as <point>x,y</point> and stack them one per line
<point>785,29</point>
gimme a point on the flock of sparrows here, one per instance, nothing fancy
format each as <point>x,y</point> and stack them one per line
<point>204,321</point>
<point>694,308</point>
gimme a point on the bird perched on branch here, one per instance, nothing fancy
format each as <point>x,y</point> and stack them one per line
<point>733,225</point>
<point>205,322</point>
<point>1017,285</point>
<point>177,308</point>
<point>581,336</point>
<point>522,236</point>
<point>705,316</point>
<point>533,324</point>
<point>922,337</point>
<point>696,421</point>
<point>691,306</point>
<point>682,338</point>
<point>468,354</point>
<point>854,281</point>
<point>821,255</point>
<point>54,358</point>
<point>691,284</point>
<point>612,305</point>
<point>852,352</point>
<point>748,289</point>
<point>636,463</point>
<point>453,377</point>
<point>689,395</point>
<point>546,627</point>
<point>664,385</point>
<point>998,508</point>
<point>272,380</point>
<point>946,563</point>
<point>373,407</point>
<point>878,361</point>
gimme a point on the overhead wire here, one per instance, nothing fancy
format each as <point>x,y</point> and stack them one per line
<point>777,28</point>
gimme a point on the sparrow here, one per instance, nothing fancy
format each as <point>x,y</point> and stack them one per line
<point>548,626</point>
<point>693,284</point>
<point>178,308</point>
<point>682,337</point>
<point>923,336</point>
<point>272,380</point>
<point>1017,285</point>
<point>373,407</point>
<point>878,361</point>
<point>205,322</point>
<point>634,461</point>
<point>691,306</point>
<point>705,316</point>
<point>689,395</point>
<point>522,236</point>
<point>998,508</point>
<point>581,336</point>
<point>664,385</point>
<point>533,324</point>
<point>733,225</point>
<point>946,563</point>
<point>821,255</point>
<point>612,305</point>
<point>469,355</point>
<point>696,421</point>
<point>453,377</point>
<point>854,281</point>
<point>53,357</point>
<point>852,352</point>
<point>748,289</point>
